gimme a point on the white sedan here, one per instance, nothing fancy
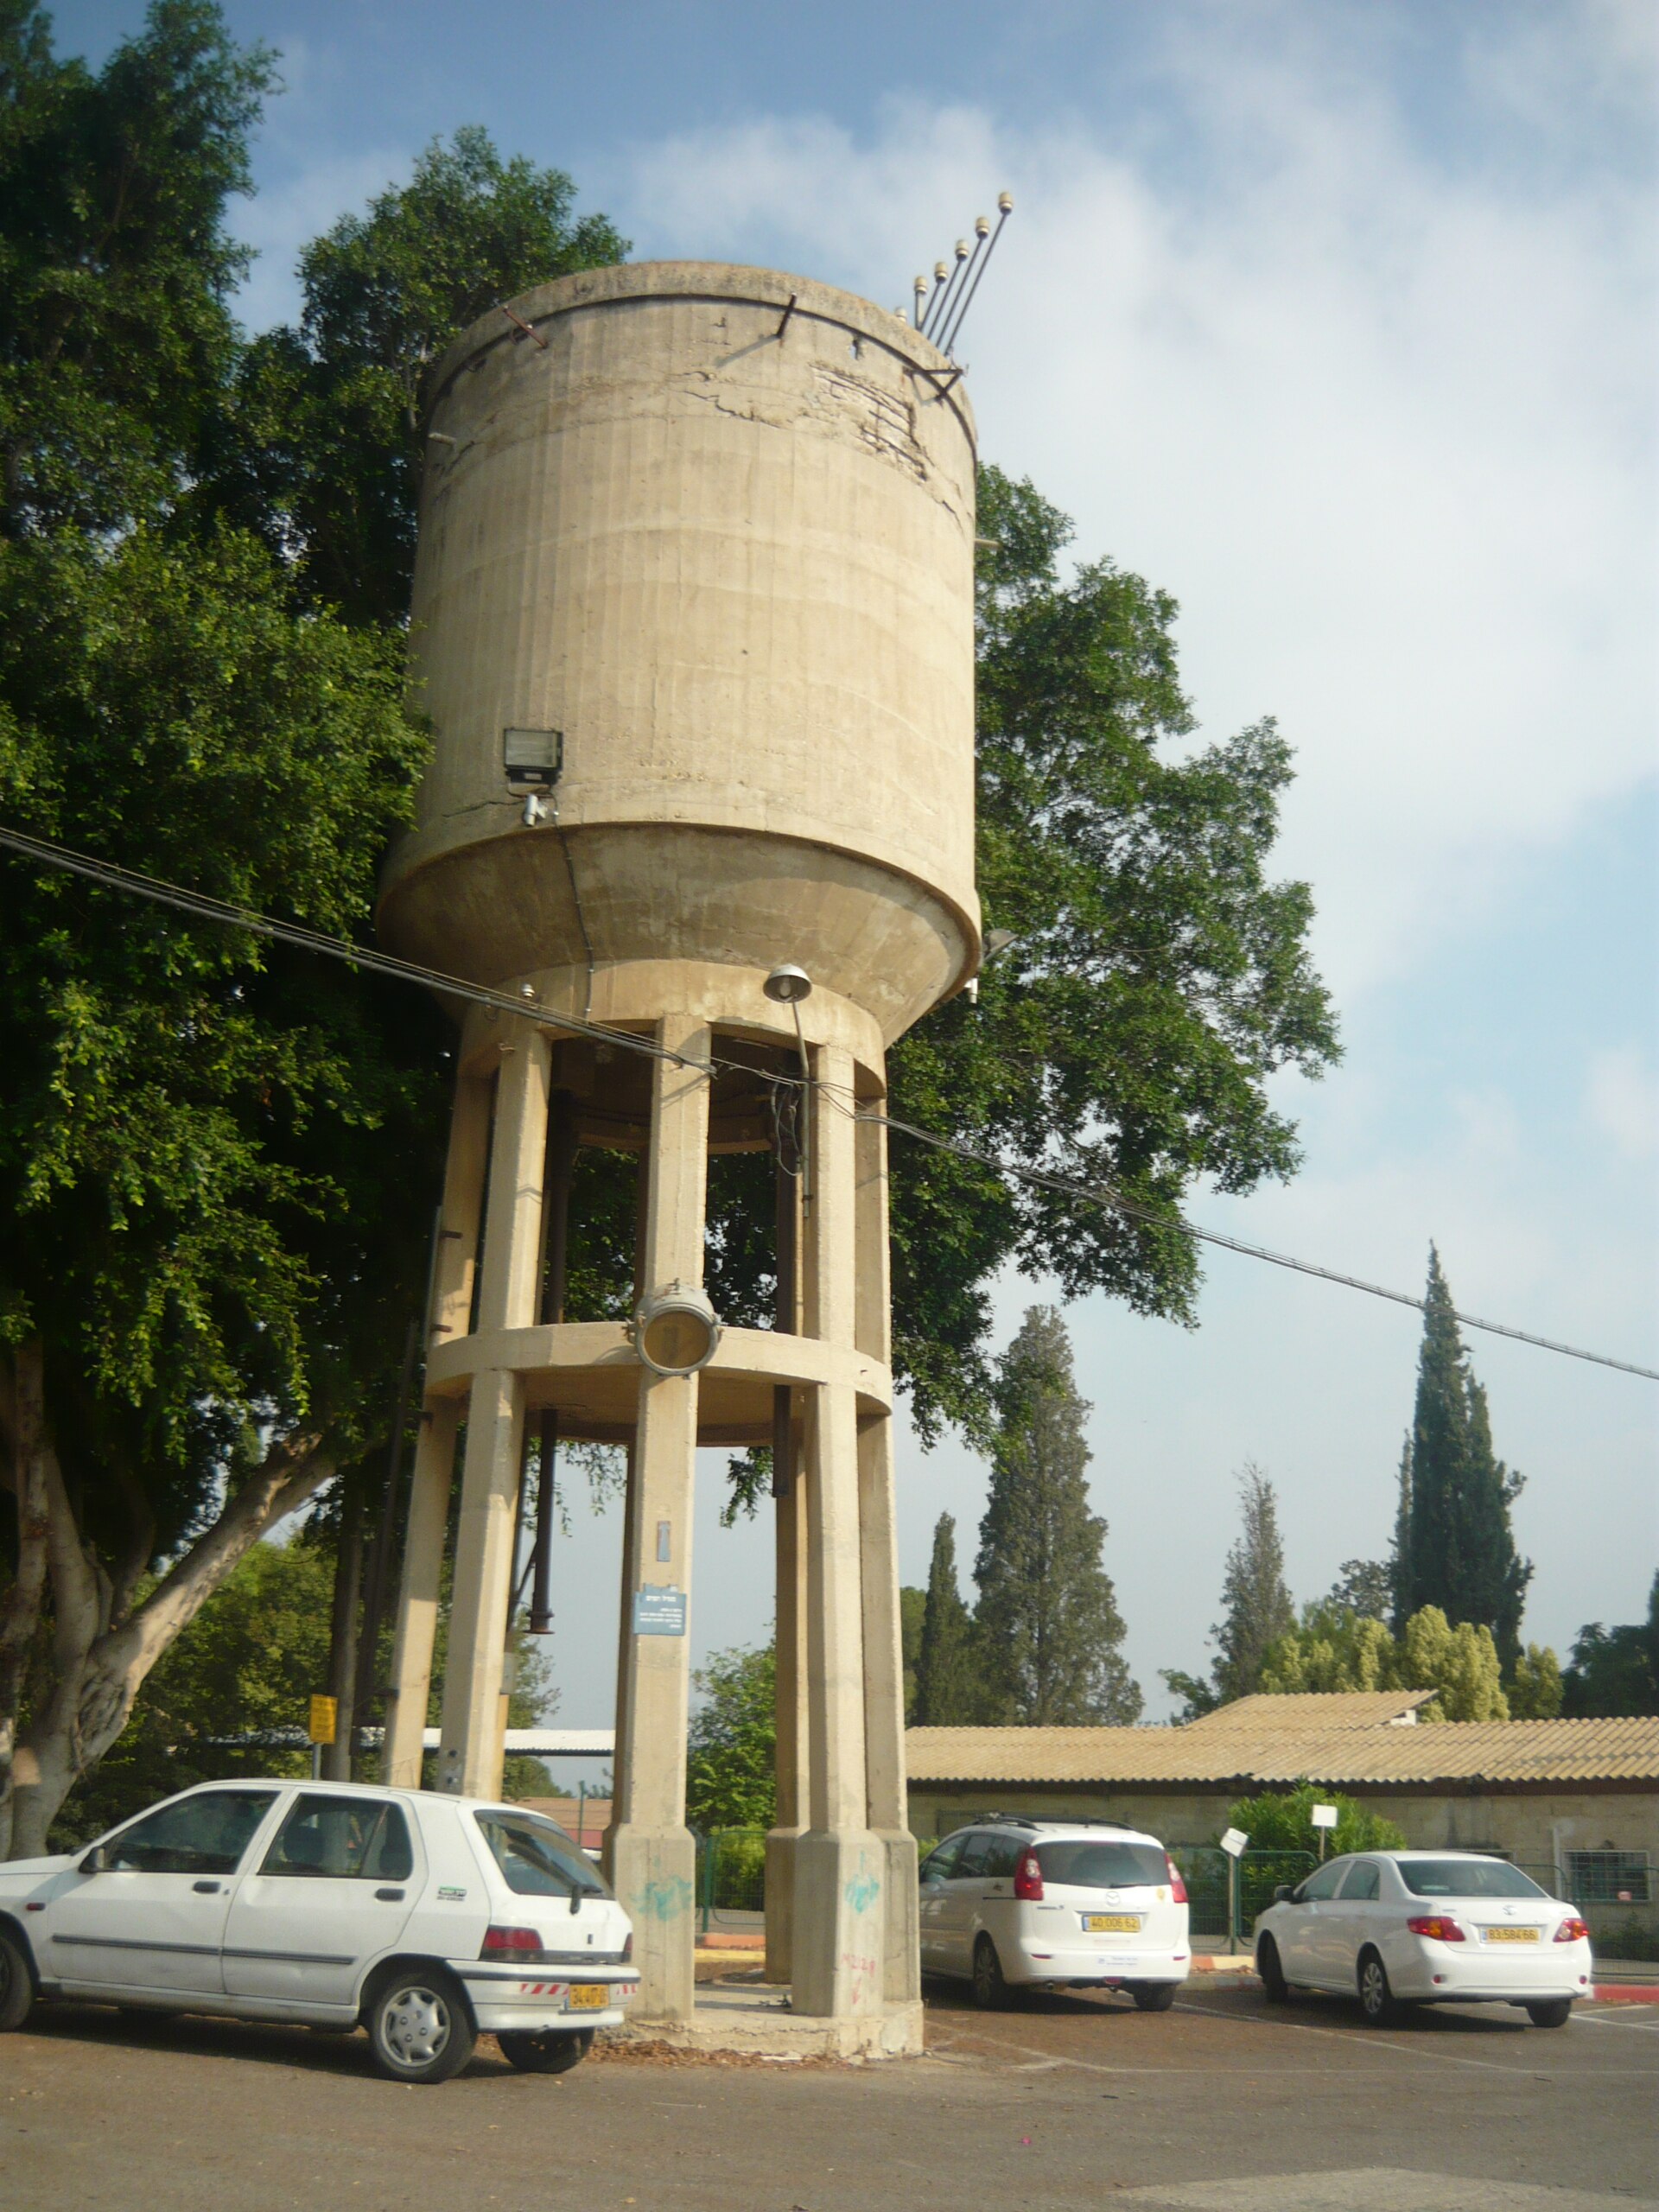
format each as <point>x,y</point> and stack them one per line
<point>425,1919</point>
<point>1394,1927</point>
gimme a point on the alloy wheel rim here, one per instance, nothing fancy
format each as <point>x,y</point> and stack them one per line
<point>1371,1988</point>
<point>417,2026</point>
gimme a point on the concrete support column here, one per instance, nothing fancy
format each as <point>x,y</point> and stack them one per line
<point>839,1869</point>
<point>653,1853</point>
<point>794,1727</point>
<point>460,1221</point>
<point>469,1756</point>
<point>884,1664</point>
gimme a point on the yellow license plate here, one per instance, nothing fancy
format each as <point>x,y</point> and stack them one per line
<point>587,1997</point>
<point>1512,1934</point>
<point>1112,1924</point>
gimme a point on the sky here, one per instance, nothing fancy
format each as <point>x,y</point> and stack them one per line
<point>1338,322</point>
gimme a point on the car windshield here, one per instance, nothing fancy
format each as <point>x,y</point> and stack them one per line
<point>1103,1865</point>
<point>1466,1877</point>
<point>538,1860</point>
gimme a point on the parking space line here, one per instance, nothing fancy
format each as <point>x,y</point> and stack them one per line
<point>1360,2039</point>
<point>1601,2020</point>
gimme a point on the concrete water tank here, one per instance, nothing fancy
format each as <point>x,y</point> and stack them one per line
<point>713,525</point>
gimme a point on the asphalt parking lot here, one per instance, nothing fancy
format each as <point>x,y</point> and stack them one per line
<point>1224,2105</point>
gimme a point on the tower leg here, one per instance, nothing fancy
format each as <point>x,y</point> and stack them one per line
<point>884,1665</point>
<point>792,1728</point>
<point>840,1873</point>
<point>469,1756</point>
<point>654,1854</point>
<point>459,1220</point>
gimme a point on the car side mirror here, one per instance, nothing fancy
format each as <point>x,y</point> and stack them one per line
<point>1282,1893</point>
<point>97,1861</point>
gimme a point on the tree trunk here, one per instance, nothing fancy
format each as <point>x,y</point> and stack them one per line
<point>21,1613</point>
<point>98,1665</point>
<point>343,1639</point>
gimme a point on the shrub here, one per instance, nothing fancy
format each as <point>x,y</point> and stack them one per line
<point>1283,1820</point>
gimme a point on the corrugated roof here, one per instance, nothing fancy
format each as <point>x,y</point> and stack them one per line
<point>1260,1749</point>
<point>1329,1708</point>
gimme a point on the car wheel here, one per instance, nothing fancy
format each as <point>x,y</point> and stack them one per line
<point>1554,2012</point>
<point>546,2054</point>
<point>1377,2003</point>
<point>419,2026</point>
<point>16,1983</point>
<point>1275,1988</point>
<point>990,1991</point>
<point>1153,1996</point>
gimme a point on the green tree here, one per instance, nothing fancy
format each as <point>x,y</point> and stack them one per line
<point>731,1765</point>
<point>949,1693</point>
<point>912,1612</point>
<point>1535,1691</point>
<point>1257,1603</point>
<point>1157,978</point>
<point>1458,1663</point>
<point>1049,1631</point>
<point>1615,1670</point>
<point>1282,1820</point>
<point>1364,1587</point>
<point>1459,1552</point>
<point>1332,1648</point>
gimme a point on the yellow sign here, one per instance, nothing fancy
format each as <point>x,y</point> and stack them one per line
<point>324,1713</point>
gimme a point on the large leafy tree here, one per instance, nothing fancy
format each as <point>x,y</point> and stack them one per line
<point>1049,1631</point>
<point>1257,1610</point>
<point>1615,1670</point>
<point>208,1248</point>
<point>731,1755</point>
<point>1458,1551</point>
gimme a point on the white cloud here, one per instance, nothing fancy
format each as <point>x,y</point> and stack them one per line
<point>1621,1102</point>
<point>1384,428</point>
<point>286,216</point>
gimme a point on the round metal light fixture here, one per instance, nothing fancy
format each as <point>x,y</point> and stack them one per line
<point>676,1331</point>
<point>788,985</point>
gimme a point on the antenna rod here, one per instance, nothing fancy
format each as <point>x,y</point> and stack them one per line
<point>982,231</point>
<point>1005,205</point>
<point>942,299</point>
<point>940,272</point>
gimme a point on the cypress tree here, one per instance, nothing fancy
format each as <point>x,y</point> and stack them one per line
<point>1050,1632</point>
<point>1460,1553</point>
<point>1257,1601</point>
<point>947,1680</point>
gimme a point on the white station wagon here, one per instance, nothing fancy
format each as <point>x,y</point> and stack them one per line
<point>427,1920</point>
<point>1021,1902</point>
<point>1395,1928</point>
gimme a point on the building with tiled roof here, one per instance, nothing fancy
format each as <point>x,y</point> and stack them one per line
<point>1549,1794</point>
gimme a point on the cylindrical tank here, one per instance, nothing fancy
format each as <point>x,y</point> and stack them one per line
<point>715,527</point>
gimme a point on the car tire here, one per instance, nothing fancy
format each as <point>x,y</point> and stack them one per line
<point>546,2054</point>
<point>1275,1988</point>
<point>1153,1996</point>
<point>1554,2013</point>
<point>16,1983</point>
<point>990,1989</point>
<point>419,2025</point>
<point>1378,2005</point>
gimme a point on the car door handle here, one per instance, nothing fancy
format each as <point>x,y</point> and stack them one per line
<point>205,1888</point>
<point>388,1897</point>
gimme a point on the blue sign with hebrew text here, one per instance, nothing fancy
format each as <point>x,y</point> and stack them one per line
<point>659,1612</point>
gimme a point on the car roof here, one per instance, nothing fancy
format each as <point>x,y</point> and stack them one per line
<point>1081,1831</point>
<point>320,1789</point>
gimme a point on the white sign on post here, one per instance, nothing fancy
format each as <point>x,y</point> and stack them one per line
<point>1234,1841</point>
<point>1324,1816</point>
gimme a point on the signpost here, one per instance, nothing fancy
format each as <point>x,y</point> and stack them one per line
<point>1233,1844</point>
<point>324,1716</point>
<point>1324,1819</point>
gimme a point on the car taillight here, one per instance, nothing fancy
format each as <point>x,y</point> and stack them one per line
<point>1572,1931</point>
<point>511,1942</point>
<point>1028,1882</point>
<point>1177,1886</point>
<point>1438,1926</point>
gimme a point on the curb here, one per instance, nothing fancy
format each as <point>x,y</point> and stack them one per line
<point>1626,1992</point>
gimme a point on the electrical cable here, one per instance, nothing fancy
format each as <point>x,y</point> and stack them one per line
<point>203,908</point>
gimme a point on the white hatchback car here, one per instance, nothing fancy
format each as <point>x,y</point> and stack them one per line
<point>426,1919</point>
<point>1425,1927</point>
<point>1023,1903</point>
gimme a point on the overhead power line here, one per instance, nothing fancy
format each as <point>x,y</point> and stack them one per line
<point>199,906</point>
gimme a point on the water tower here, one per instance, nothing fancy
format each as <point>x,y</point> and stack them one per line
<point>693,625</point>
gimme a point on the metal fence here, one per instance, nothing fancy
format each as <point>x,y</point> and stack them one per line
<point>731,1877</point>
<point>1222,1907</point>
